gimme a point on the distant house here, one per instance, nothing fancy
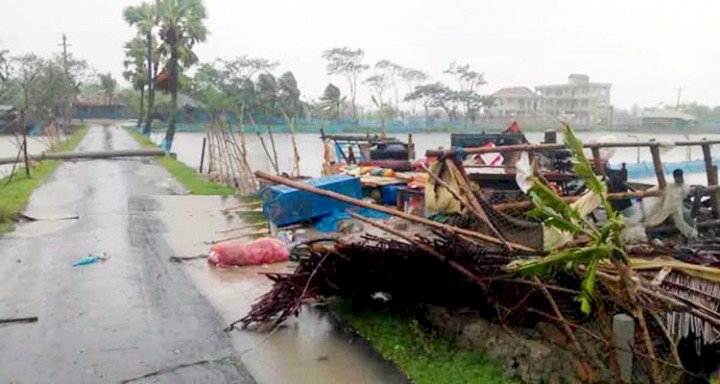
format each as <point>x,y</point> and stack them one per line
<point>515,101</point>
<point>99,107</point>
<point>579,100</point>
<point>667,118</point>
<point>8,118</point>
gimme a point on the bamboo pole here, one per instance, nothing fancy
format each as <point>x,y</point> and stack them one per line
<point>202,155</point>
<point>712,178</point>
<point>454,264</point>
<point>88,155</point>
<point>611,196</point>
<point>550,147</point>
<point>472,199</point>
<point>657,164</point>
<point>597,160</point>
<point>389,211</point>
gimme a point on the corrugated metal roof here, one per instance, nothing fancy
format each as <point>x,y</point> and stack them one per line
<point>668,114</point>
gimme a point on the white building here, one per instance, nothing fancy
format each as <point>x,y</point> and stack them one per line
<point>515,101</point>
<point>579,101</point>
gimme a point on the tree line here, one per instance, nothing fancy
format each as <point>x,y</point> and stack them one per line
<point>160,55</point>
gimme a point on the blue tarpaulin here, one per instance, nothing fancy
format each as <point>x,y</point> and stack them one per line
<point>331,222</point>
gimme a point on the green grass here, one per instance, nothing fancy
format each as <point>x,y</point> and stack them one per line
<point>424,357</point>
<point>195,183</point>
<point>14,196</point>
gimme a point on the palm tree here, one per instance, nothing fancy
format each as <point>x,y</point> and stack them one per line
<point>108,85</point>
<point>136,71</point>
<point>331,101</point>
<point>145,18</point>
<point>181,27</point>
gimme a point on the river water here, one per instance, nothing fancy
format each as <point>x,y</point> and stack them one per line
<point>188,147</point>
<point>9,147</point>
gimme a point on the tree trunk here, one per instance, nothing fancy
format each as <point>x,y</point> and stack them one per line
<point>151,88</point>
<point>170,133</point>
<point>142,106</point>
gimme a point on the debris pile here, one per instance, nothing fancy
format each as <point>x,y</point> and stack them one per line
<point>496,263</point>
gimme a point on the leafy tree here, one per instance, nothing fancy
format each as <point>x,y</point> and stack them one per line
<point>267,92</point>
<point>145,17</point>
<point>289,95</point>
<point>468,81</point>
<point>4,65</point>
<point>331,100</point>
<point>412,78</point>
<point>136,71</point>
<point>349,63</point>
<point>108,85</point>
<point>181,27</point>
<point>378,85</point>
<point>434,95</point>
<point>392,72</point>
<point>237,81</point>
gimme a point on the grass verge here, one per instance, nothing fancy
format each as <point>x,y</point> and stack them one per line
<point>424,357</point>
<point>14,195</point>
<point>188,177</point>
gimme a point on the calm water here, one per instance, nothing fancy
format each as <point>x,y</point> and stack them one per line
<point>188,148</point>
<point>9,147</point>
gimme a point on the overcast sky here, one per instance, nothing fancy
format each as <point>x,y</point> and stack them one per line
<point>646,49</point>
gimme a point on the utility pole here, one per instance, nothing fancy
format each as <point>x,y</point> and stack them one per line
<point>677,104</point>
<point>65,46</point>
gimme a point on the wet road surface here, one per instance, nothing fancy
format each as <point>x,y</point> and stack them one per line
<point>309,349</point>
<point>138,313</point>
<point>107,322</point>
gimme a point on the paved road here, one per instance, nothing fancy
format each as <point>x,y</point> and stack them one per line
<point>121,319</point>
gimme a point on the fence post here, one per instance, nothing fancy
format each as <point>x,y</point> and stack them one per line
<point>657,163</point>
<point>202,154</point>
<point>624,335</point>
<point>712,178</point>
<point>599,166</point>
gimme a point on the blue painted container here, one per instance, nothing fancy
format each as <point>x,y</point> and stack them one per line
<point>389,194</point>
<point>284,205</point>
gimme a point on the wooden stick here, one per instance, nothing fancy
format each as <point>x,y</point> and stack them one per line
<point>599,166</point>
<point>611,196</point>
<point>657,163</point>
<point>550,147</point>
<point>464,271</point>
<point>568,332</point>
<point>390,211</point>
<point>472,199</point>
<point>712,178</point>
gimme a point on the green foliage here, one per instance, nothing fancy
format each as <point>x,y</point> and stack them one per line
<point>14,196</point>
<point>348,63</point>
<point>422,356</point>
<point>604,242</point>
<point>107,84</point>
<point>188,177</point>
<point>331,101</point>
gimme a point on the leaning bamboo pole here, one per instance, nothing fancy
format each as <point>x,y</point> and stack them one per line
<point>526,204</point>
<point>88,155</point>
<point>389,211</point>
<point>550,147</point>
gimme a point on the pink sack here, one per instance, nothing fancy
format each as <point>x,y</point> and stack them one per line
<point>261,251</point>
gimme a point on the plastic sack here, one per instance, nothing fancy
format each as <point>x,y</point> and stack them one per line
<point>437,197</point>
<point>261,251</point>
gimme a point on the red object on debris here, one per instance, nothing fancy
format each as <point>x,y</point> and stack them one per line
<point>261,251</point>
